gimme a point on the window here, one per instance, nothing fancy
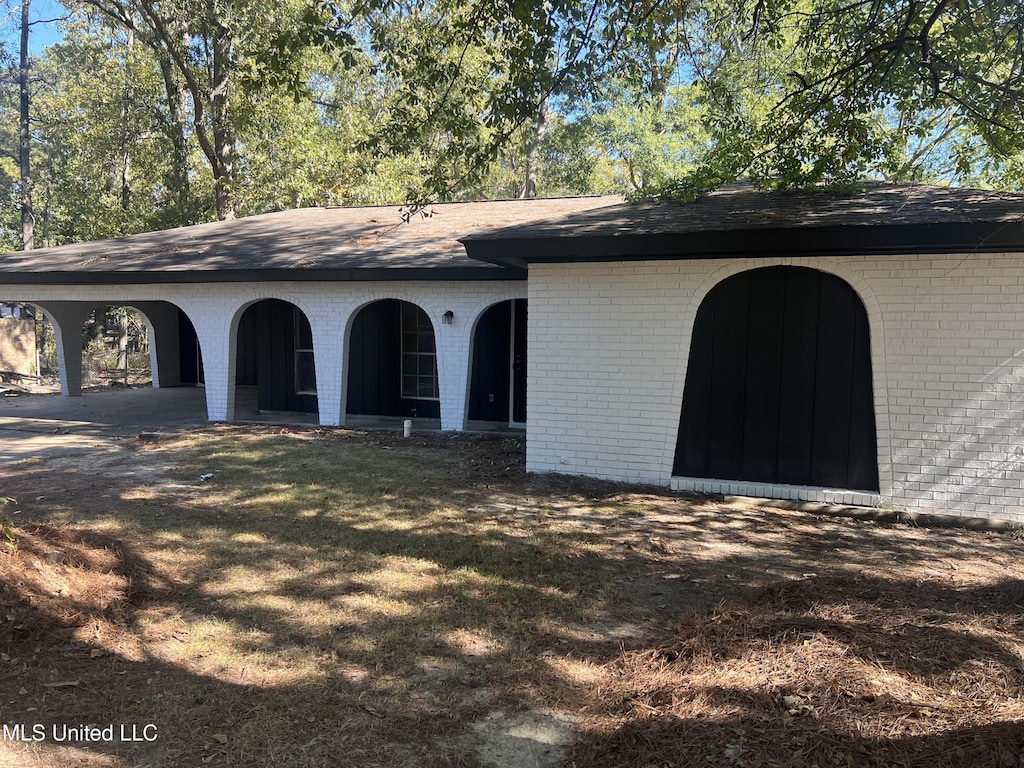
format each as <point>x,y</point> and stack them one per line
<point>305,370</point>
<point>419,356</point>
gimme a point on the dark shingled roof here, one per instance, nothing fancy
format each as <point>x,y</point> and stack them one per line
<point>744,221</point>
<point>370,243</point>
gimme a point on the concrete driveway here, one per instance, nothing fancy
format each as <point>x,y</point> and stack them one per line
<point>47,425</point>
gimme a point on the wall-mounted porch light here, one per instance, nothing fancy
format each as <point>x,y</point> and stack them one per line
<point>448,317</point>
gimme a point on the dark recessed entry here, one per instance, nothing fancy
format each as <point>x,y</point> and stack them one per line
<point>778,385</point>
<point>392,362</point>
<point>274,353</point>
<point>190,359</point>
<point>498,383</point>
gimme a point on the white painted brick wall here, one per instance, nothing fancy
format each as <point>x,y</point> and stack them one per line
<point>609,346</point>
<point>215,309</point>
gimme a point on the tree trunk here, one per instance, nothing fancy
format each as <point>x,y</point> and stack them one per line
<point>25,138</point>
<point>126,157</point>
<point>177,103</point>
<point>122,341</point>
<point>223,135</point>
<point>529,188</point>
<point>47,196</point>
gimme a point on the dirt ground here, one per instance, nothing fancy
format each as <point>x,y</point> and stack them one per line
<point>615,625</point>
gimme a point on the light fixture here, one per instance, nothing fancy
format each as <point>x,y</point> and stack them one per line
<point>448,317</point>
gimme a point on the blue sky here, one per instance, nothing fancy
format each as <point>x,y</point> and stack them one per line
<point>41,35</point>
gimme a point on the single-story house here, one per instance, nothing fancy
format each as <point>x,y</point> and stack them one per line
<point>866,348</point>
<point>331,311</point>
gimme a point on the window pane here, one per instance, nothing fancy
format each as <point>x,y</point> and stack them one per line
<point>303,333</point>
<point>419,356</point>
<point>305,372</point>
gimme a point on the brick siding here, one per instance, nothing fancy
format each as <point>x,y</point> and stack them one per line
<point>215,309</point>
<point>609,345</point>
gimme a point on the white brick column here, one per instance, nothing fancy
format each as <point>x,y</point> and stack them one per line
<point>453,365</point>
<point>328,328</point>
<point>216,329</point>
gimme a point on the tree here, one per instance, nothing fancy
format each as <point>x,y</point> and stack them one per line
<point>796,92</point>
<point>469,78</point>
<point>832,90</point>
<point>24,135</point>
<point>213,56</point>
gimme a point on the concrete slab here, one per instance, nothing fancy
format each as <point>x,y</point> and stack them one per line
<point>47,425</point>
<point>36,425</point>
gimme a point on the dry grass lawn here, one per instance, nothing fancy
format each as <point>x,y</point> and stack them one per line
<point>269,597</point>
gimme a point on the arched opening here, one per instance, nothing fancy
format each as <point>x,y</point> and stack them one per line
<point>274,358</point>
<point>778,385</point>
<point>497,391</point>
<point>392,362</point>
<point>116,348</point>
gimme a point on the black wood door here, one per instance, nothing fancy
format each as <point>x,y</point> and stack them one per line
<point>492,361</point>
<point>778,385</point>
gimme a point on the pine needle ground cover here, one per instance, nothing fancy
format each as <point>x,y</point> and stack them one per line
<point>273,597</point>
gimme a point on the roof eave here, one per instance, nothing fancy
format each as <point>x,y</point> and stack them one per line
<point>154,277</point>
<point>835,240</point>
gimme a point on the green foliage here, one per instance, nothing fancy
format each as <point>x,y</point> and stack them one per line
<point>102,152</point>
<point>153,115</point>
<point>811,92</point>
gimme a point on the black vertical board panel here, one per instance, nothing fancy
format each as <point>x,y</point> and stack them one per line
<point>798,366</point>
<point>263,333</point>
<point>374,385</point>
<point>364,355</point>
<point>355,401</point>
<point>282,330</point>
<point>763,375</point>
<point>245,348</point>
<point>519,364</point>
<point>832,392</point>
<point>797,336</point>
<point>370,372</point>
<point>389,371</point>
<point>188,350</point>
<point>691,458</point>
<point>728,377</point>
<point>491,355</point>
<point>863,467</point>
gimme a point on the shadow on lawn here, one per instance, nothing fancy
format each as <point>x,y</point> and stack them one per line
<point>742,741</point>
<point>344,611</point>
